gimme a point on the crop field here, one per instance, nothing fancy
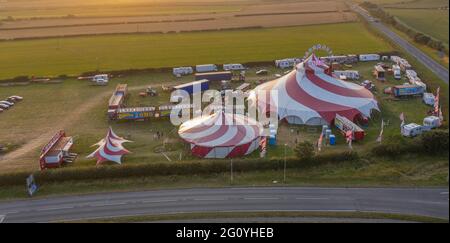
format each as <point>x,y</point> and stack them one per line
<point>157,20</point>
<point>71,56</point>
<point>433,22</point>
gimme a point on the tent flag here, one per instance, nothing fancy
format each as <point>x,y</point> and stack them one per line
<point>436,101</point>
<point>349,137</point>
<point>380,137</point>
<point>402,118</point>
<point>263,147</point>
<point>109,149</point>
<point>319,142</point>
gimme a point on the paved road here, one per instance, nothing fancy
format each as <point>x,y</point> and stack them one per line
<point>434,66</point>
<point>428,202</point>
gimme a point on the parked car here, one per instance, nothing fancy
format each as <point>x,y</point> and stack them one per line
<point>15,98</point>
<point>4,107</point>
<point>6,102</point>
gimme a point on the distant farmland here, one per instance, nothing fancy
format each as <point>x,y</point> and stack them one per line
<point>433,22</point>
<point>71,56</point>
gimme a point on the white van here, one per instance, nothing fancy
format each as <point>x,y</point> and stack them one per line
<point>397,72</point>
<point>431,122</point>
<point>206,68</point>
<point>233,67</point>
<point>101,79</point>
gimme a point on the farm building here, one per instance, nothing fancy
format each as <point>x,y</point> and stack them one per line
<point>57,151</point>
<point>221,135</point>
<point>310,95</point>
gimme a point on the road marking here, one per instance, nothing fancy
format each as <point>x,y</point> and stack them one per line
<point>159,201</point>
<point>311,198</point>
<point>261,198</point>
<point>209,199</point>
<point>107,204</point>
<point>54,208</point>
<point>2,218</point>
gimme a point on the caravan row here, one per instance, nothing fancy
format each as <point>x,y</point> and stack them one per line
<point>204,68</point>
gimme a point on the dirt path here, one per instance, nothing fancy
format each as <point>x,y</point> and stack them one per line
<point>69,121</point>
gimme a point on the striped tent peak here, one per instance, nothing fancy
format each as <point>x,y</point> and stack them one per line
<point>110,149</point>
<point>309,91</point>
<point>220,129</point>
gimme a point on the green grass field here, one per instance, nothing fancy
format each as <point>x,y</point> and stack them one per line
<point>71,56</point>
<point>432,22</point>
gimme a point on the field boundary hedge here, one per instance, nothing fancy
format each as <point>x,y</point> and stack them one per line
<point>166,169</point>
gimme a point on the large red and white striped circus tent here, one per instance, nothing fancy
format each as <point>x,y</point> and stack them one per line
<point>110,148</point>
<point>221,135</point>
<point>310,95</point>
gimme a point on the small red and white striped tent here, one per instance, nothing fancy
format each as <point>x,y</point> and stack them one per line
<point>310,95</point>
<point>110,149</point>
<point>221,135</point>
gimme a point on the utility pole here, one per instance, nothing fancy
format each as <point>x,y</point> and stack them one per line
<point>231,171</point>
<point>284,169</point>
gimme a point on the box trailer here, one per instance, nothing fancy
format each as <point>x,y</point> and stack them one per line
<point>233,67</point>
<point>135,113</point>
<point>407,90</point>
<point>369,57</point>
<point>397,71</point>
<point>287,62</point>
<point>432,122</point>
<point>180,71</point>
<point>344,125</point>
<point>412,130</point>
<point>206,68</point>
<point>214,76</point>
<point>428,99</point>
<point>189,87</point>
<point>349,74</point>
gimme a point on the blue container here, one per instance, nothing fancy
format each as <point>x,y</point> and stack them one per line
<point>272,140</point>
<point>332,139</point>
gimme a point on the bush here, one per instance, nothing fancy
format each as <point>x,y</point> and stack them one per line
<point>305,151</point>
<point>434,142</point>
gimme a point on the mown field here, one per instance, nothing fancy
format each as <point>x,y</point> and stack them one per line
<point>433,22</point>
<point>71,56</point>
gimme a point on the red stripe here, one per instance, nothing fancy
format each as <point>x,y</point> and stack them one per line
<point>239,150</point>
<point>240,134</point>
<point>361,93</point>
<point>201,151</point>
<point>203,126</point>
<point>217,134</point>
<point>326,110</point>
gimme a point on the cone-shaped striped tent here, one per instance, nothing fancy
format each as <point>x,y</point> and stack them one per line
<point>311,95</point>
<point>110,148</point>
<point>221,135</point>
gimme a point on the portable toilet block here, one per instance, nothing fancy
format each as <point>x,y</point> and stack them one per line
<point>332,139</point>
<point>272,140</point>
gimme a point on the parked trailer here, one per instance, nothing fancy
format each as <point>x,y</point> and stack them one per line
<point>101,79</point>
<point>369,57</point>
<point>244,87</point>
<point>189,87</point>
<point>118,97</point>
<point>429,99</point>
<point>348,59</point>
<point>344,125</point>
<point>380,73</point>
<point>206,68</point>
<point>214,76</point>
<point>287,62</point>
<point>397,72</point>
<point>146,113</point>
<point>407,90</point>
<point>233,67</point>
<point>56,151</point>
<point>180,71</point>
<point>413,129</point>
<point>349,74</point>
